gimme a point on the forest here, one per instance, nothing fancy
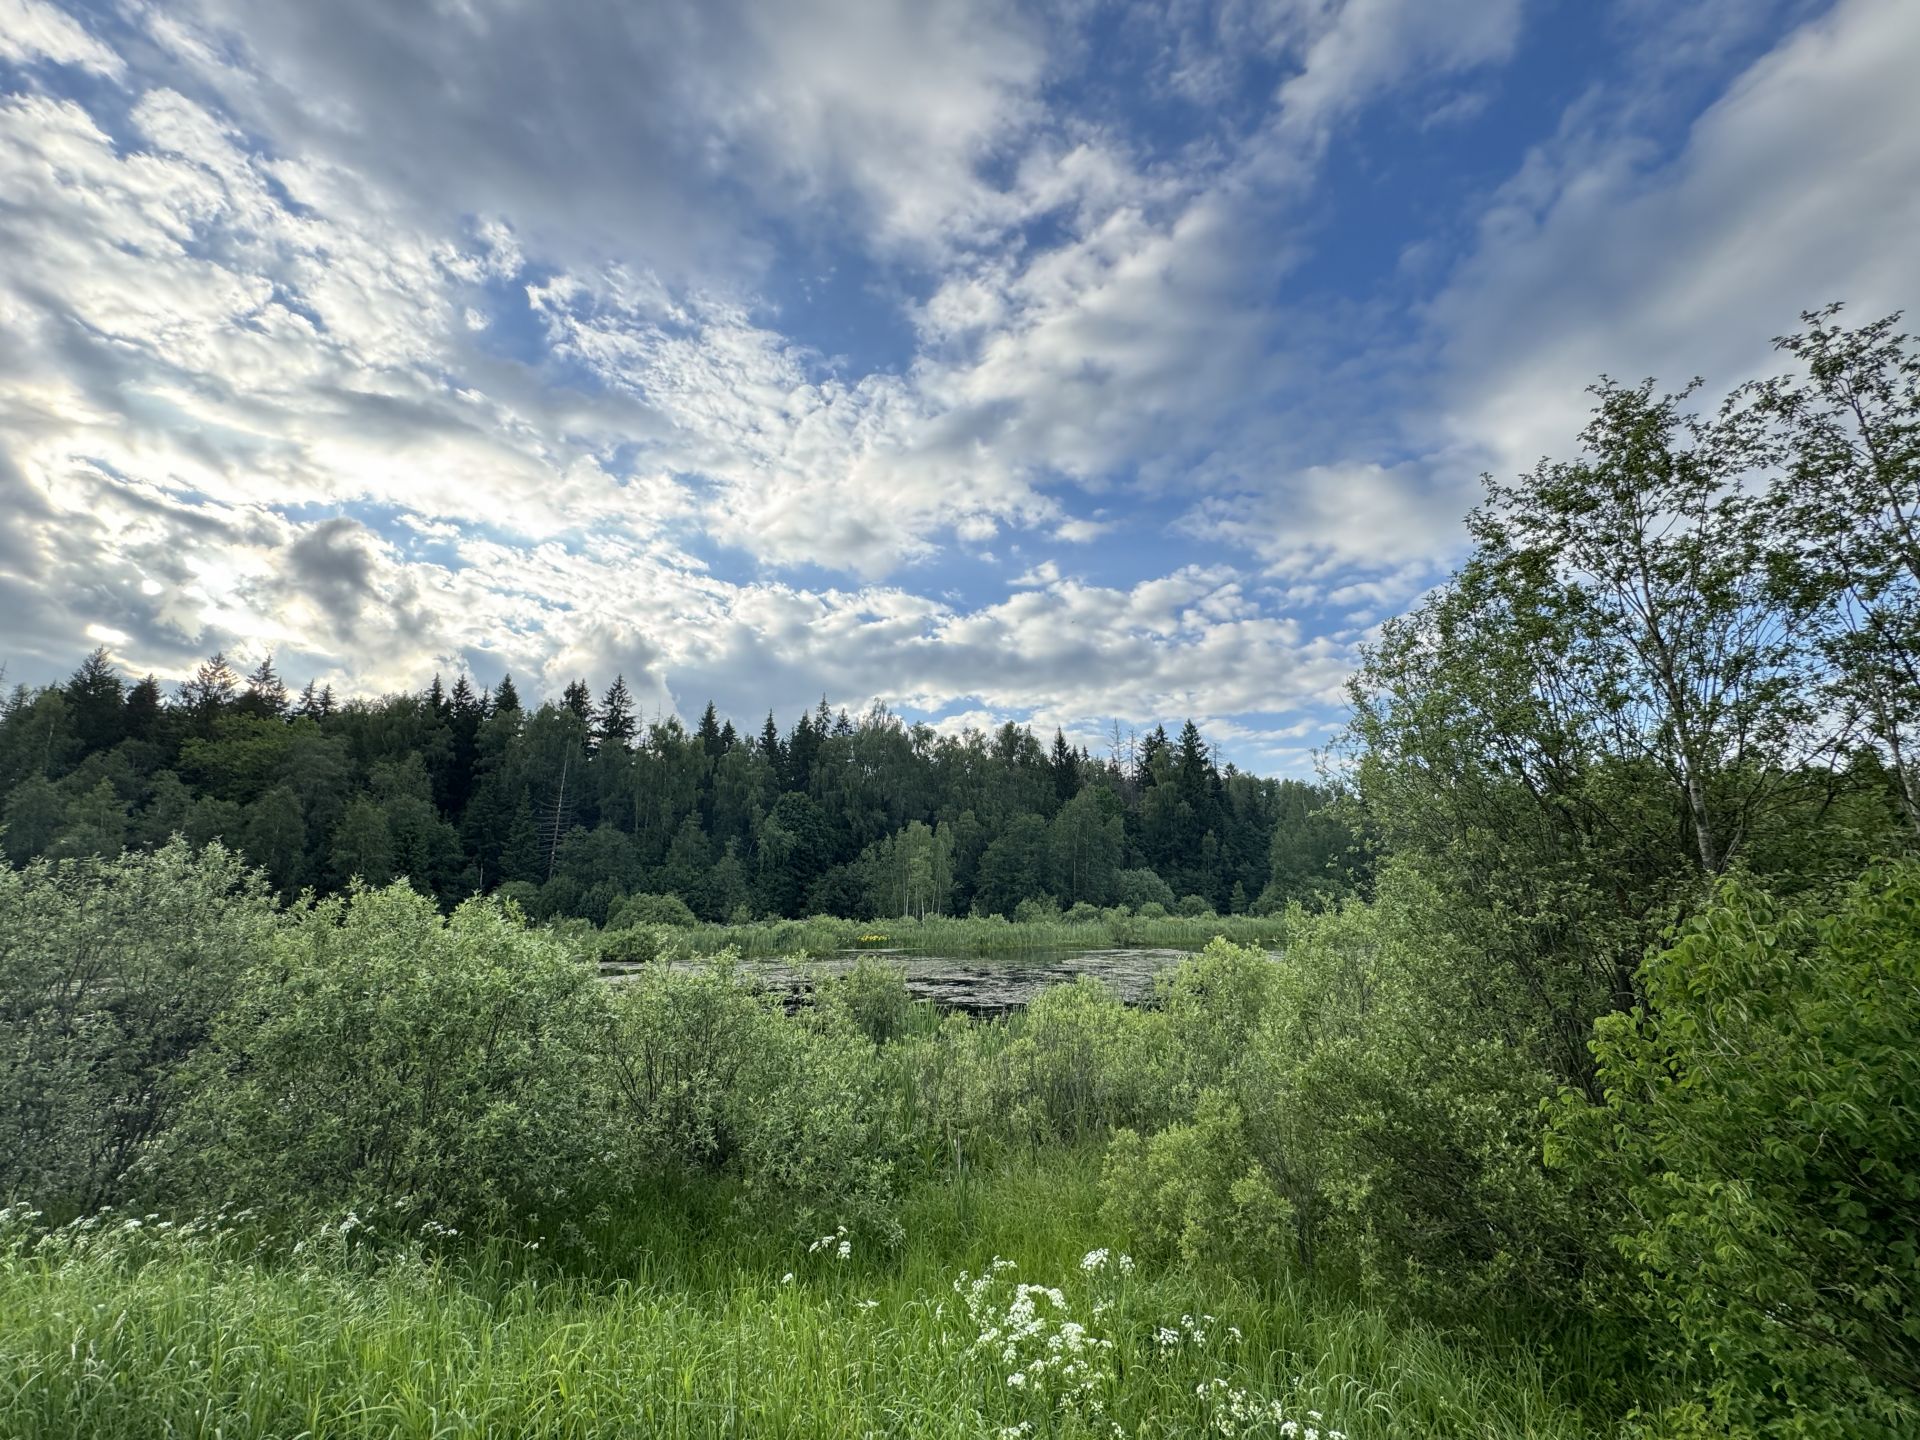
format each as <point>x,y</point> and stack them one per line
<point>1579,1096</point>
<point>574,807</point>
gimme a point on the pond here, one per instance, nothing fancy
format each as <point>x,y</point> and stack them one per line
<point>977,984</point>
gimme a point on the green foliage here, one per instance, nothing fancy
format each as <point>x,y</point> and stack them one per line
<point>873,997</point>
<point>1082,1063</point>
<point>1141,887</point>
<point>637,944</point>
<point>709,1076</point>
<point>111,974</point>
<point>382,1058</point>
<point>679,1324</point>
<point>1341,1110</point>
<point>650,909</point>
<point>1760,1137</point>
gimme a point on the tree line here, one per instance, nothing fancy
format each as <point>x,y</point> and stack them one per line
<point>576,804</point>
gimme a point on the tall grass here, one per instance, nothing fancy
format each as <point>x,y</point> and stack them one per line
<point>683,1325</point>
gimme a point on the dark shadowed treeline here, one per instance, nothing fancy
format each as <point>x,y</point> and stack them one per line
<point>576,804</point>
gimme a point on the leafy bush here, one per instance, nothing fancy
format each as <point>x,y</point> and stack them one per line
<point>1142,887</point>
<point>1348,1107</point>
<point>1037,910</point>
<point>873,997</point>
<point>1083,1063</point>
<point>111,974</point>
<point>817,1123</point>
<point>1197,1189</point>
<point>650,909</point>
<point>710,1076</point>
<point>636,944</point>
<point>381,1058</point>
<point>1761,1134</point>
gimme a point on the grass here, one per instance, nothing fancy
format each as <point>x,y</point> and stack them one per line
<point>982,935</point>
<point>677,1322</point>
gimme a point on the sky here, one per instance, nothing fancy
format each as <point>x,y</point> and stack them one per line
<point>1068,364</point>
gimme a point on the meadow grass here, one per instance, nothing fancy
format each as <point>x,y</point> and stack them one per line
<point>680,1321</point>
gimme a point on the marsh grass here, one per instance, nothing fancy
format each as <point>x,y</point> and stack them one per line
<point>982,935</point>
<point>684,1325</point>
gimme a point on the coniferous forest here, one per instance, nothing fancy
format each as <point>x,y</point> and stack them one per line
<point>575,805</point>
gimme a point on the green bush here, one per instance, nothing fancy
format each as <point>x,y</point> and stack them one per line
<point>1037,910</point>
<point>1198,1190</point>
<point>111,974</point>
<point>650,909</point>
<point>1141,887</point>
<point>382,1059</point>
<point>713,1077</point>
<point>1359,1106</point>
<point>636,944</point>
<point>1761,1136</point>
<point>1083,1063</point>
<point>873,996</point>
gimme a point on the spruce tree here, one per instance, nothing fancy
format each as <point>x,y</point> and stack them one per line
<point>617,724</point>
<point>709,732</point>
<point>266,696</point>
<point>96,702</point>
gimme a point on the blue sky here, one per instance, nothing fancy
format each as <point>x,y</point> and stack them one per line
<point>1072,364</point>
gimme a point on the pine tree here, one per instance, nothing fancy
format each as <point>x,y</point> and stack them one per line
<point>520,855</point>
<point>577,698</point>
<point>96,702</point>
<point>506,699</point>
<point>709,732</point>
<point>616,716</point>
<point>142,714</point>
<point>266,696</point>
<point>437,698</point>
<point>212,688</point>
<point>1066,768</point>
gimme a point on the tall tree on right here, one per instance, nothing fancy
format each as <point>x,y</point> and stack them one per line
<point>1845,441</point>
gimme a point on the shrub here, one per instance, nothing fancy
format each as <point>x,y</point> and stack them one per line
<point>873,996</point>
<point>650,909</point>
<point>1356,1101</point>
<point>381,1058</point>
<point>1140,888</point>
<point>111,974</point>
<point>711,1076</point>
<point>636,944</point>
<point>1083,1063</point>
<point>1194,907</point>
<point>1761,1134</point>
<point>1037,910</point>
<point>1197,1190</point>
<point>1083,913</point>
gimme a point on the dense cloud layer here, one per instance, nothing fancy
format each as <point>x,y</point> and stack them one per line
<point>1061,365</point>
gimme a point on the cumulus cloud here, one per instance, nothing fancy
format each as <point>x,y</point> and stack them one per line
<point>1790,191</point>
<point>485,336</point>
<point>32,32</point>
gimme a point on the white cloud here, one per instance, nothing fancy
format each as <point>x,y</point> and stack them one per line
<point>31,31</point>
<point>1791,190</point>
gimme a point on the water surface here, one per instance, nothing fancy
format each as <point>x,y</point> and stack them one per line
<point>977,984</point>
